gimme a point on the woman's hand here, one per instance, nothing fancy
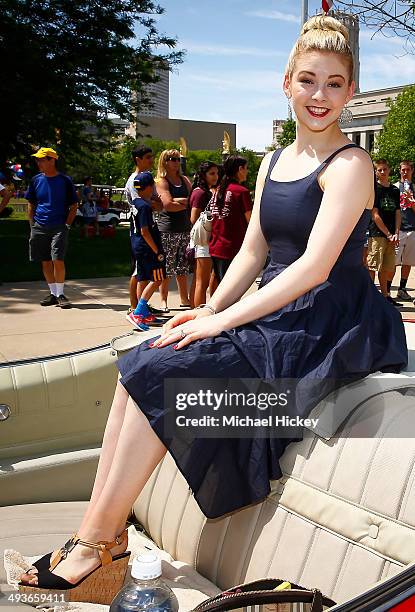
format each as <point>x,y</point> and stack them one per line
<point>189,326</point>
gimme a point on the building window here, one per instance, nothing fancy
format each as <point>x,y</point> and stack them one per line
<point>356,138</point>
<point>370,141</point>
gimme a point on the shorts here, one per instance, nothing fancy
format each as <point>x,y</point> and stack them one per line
<point>88,221</point>
<point>381,254</point>
<point>174,246</point>
<point>202,251</point>
<point>149,270</point>
<point>406,253</point>
<point>48,242</point>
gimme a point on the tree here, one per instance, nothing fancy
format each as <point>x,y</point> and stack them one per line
<point>397,139</point>
<point>66,65</point>
<point>389,17</point>
<point>288,133</point>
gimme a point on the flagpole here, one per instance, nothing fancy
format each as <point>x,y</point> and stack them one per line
<point>304,11</point>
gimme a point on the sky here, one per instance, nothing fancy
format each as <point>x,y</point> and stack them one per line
<point>236,51</point>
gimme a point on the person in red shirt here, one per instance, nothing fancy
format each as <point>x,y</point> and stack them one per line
<point>231,209</point>
<point>204,183</point>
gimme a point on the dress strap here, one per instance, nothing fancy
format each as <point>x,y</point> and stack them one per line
<point>273,161</point>
<point>333,155</point>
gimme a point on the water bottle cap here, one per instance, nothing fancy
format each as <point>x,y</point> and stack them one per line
<point>146,566</point>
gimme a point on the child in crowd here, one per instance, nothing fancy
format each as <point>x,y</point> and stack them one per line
<point>150,268</point>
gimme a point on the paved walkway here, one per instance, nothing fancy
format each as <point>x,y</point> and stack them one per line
<point>30,330</point>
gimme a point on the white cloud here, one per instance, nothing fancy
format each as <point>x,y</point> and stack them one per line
<point>385,70</point>
<point>377,37</point>
<point>260,83</point>
<point>198,49</point>
<point>275,15</point>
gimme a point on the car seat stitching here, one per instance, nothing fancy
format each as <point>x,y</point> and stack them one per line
<point>245,554</point>
<point>314,539</point>
<point>221,548</point>
<point>342,569</point>
<point>347,501</point>
<point>405,490</point>
<point>339,454</point>
<point>277,543</point>
<point>180,522</point>
<point>175,475</point>
<point>343,537</point>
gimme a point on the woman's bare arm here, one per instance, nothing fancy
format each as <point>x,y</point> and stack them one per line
<point>170,204</point>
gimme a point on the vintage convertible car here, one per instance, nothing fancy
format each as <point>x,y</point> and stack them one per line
<point>341,519</point>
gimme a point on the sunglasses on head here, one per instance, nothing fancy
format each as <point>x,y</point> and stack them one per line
<point>173,159</point>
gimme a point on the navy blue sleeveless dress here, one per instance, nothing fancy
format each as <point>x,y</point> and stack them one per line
<point>341,329</point>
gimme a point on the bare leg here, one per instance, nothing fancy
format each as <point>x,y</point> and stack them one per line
<point>109,444</point>
<point>202,274</point>
<point>133,291</point>
<point>182,286</point>
<point>59,270</point>
<point>405,270</point>
<point>383,278</point>
<point>164,292</point>
<point>48,272</point>
<point>137,453</point>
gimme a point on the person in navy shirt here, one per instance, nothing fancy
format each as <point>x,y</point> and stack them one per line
<point>150,269</point>
<point>52,208</point>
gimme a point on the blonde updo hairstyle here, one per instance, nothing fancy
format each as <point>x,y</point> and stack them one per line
<point>322,33</point>
<point>161,168</point>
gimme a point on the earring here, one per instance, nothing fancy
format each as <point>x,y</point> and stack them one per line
<point>345,117</point>
<point>290,108</point>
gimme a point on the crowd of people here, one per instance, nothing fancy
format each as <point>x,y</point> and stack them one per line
<point>179,227</point>
<point>164,210</point>
<point>391,234</point>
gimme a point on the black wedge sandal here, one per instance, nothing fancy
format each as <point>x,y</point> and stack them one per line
<point>99,586</point>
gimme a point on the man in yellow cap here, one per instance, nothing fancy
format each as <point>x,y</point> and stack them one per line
<point>52,208</point>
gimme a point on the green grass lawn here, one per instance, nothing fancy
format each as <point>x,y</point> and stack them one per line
<point>92,258</point>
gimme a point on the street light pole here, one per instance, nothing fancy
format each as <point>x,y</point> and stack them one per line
<point>304,11</point>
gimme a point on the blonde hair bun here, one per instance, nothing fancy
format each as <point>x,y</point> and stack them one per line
<point>322,33</point>
<point>325,23</point>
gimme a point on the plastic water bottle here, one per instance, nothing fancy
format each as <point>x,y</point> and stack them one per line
<point>147,592</point>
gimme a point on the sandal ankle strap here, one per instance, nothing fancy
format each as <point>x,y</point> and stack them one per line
<point>102,547</point>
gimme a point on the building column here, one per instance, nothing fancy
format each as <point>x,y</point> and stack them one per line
<point>363,140</point>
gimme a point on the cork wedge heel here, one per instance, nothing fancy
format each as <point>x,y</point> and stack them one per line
<point>99,586</point>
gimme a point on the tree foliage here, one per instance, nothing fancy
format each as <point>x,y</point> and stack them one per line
<point>114,166</point>
<point>396,141</point>
<point>387,17</point>
<point>288,133</point>
<point>69,64</point>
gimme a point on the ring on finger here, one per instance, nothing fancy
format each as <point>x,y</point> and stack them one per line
<point>182,334</point>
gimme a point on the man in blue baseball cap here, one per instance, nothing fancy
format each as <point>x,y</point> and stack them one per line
<point>150,269</point>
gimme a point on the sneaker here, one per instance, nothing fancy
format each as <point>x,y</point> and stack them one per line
<point>148,318</point>
<point>404,295</point>
<point>154,311</point>
<point>137,321</point>
<point>50,300</point>
<point>63,301</point>
<point>393,302</point>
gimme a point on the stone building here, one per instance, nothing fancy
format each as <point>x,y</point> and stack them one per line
<point>369,110</point>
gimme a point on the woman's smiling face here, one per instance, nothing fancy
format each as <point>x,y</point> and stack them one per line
<point>319,88</point>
